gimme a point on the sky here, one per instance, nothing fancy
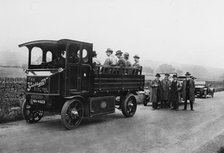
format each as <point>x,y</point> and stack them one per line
<point>171,31</point>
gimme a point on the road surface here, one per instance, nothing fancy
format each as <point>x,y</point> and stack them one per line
<point>160,131</point>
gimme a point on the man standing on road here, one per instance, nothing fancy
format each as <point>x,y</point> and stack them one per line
<point>188,89</point>
<point>111,60</point>
<point>175,88</point>
<point>166,89</point>
<point>155,97</point>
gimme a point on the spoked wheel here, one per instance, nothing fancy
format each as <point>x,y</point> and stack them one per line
<point>129,105</point>
<point>72,113</point>
<point>31,112</point>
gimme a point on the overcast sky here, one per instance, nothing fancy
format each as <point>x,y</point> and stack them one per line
<point>179,31</point>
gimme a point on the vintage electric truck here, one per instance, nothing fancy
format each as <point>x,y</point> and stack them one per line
<point>65,80</point>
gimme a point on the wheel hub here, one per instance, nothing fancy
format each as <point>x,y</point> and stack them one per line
<point>74,113</point>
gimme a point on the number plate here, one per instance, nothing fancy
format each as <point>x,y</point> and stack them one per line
<point>39,101</point>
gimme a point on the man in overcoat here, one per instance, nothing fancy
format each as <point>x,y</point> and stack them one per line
<point>188,89</point>
<point>166,89</point>
<point>175,89</point>
<point>155,97</point>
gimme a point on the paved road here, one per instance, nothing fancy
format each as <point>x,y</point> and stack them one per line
<point>147,132</point>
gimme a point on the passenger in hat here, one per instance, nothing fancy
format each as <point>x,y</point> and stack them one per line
<point>188,91</point>
<point>126,58</point>
<point>156,86</point>
<point>121,61</point>
<point>175,90</point>
<point>165,91</point>
<point>110,60</point>
<point>95,60</point>
<point>136,64</point>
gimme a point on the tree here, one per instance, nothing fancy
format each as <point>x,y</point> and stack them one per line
<point>148,69</point>
<point>166,68</point>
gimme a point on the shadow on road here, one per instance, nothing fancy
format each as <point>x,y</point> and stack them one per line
<point>54,122</point>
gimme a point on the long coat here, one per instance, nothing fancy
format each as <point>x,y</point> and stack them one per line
<point>175,91</point>
<point>165,89</point>
<point>191,90</point>
<point>156,91</point>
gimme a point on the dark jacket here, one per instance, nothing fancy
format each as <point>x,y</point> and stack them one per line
<point>121,62</point>
<point>156,91</point>
<point>165,89</point>
<point>191,90</point>
<point>175,90</point>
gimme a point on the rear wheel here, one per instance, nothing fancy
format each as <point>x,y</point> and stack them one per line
<point>129,105</point>
<point>72,113</point>
<point>31,112</point>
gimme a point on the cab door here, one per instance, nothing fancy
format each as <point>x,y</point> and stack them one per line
<point>72,76</point>
<point>79,70</point>
<point>86,68</point>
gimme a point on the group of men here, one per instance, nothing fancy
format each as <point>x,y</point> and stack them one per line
<point>168,92</point>
<point>122,59</point>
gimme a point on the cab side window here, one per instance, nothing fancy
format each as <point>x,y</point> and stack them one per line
<point>36,56</point>
<point>85,58</point>
<point>74,54</point>
<point>49,56</point>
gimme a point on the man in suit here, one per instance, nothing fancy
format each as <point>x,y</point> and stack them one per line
<point>136,64</point>
<point>126,58</point>
<point>166,89</point>
<point>155,97</point>
<point>175,88</point>
<point>120,62</point>
<point>188,89</point>
<point>111,60</point>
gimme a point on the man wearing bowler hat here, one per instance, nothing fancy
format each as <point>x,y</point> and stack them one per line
<point>155,97</point>
<point>165,91</point>
<point>111,60</point>
<point>121,61</point>
<point>126,58</point>
<point>136,64</point>
<point>188,89</point>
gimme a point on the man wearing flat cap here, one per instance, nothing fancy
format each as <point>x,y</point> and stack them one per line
<point>175,90</point>
<point>110,60</point>
<point>165,91</point>
<point>126,58</point>
<point>136,64</point>
<point>121,61</point>
<point>188,89</point>
<point>155,97</point>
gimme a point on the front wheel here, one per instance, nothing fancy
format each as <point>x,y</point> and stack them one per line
<point>129,105</point>
<point>31,112</point>
<point>72,113</point>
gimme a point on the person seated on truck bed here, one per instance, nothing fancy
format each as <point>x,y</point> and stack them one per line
<point>95,60</point>
<point>121,62</point>
<point>126,58</point>
<point>111,60</point>
<point>136,64</point>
